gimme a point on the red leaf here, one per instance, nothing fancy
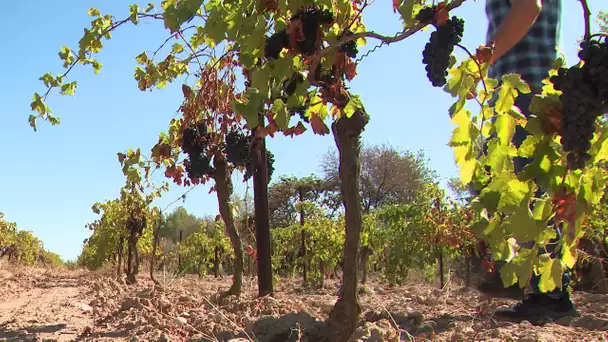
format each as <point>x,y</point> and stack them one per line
<point>441,14</point>
<point>396,4</point>
<point>318,126</point>
<point>350,70</point>
<point>272,128</point>
<point>300,129</point>
<point>565,211</point>
<point>187,91</point>
<point>484,53</point>
<point>296,33</point>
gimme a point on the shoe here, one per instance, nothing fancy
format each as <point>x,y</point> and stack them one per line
<point>538,308</point>
<point>495,288</point>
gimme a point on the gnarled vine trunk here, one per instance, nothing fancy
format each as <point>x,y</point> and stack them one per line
<point>262,222</point>
<point>347,135</point>
<point>223,187</point>
<point>366,252</point>
<point>119,249</point>
<point>154,246</point>
<point>132,258</point>
<point>303,236</point>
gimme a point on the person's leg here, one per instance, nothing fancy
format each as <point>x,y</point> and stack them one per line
<point>538,305</point>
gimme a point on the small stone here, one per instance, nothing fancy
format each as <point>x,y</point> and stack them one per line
<point>181,321</point>
<point>85,307</point>
<point>129,303</point>
<point>416,316</point>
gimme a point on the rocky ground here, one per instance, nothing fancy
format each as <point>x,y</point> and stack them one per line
<point>38,305</point>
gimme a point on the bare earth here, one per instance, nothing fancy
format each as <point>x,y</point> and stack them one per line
<point>37,305</point>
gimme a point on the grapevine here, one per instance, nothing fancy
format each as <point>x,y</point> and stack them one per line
<point>584,98</point>
<point>315,42</point>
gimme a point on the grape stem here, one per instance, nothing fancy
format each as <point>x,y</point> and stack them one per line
<point>485,88</point>
<point>587,16</point>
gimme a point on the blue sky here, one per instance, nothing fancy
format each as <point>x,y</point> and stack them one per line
<point>51,178</point>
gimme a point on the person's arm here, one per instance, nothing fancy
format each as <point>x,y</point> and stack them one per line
<point>515,26</point>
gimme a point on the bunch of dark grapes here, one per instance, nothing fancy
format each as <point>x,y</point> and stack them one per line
<point>312,18</point>
<point>299,110</point>
<point>294,81</point>
<point>437,52</point>
<point>427,15</point>
<point>350,48</point>
<point>197,166</point>
<point>584,98</point>
<point>238,153</point>
<point>269,166</point>
<point>237,148</point>
<point>195,140</point>
<point>275,44</point>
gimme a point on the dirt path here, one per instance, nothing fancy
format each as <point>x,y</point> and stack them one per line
<point>49,308</point>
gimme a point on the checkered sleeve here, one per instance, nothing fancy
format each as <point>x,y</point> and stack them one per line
<point>532,57</point>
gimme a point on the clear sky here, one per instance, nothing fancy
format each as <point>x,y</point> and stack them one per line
<point>50,179</point>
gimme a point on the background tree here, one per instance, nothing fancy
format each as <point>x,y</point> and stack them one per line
<point>180,220</point>
<point>388,175</point>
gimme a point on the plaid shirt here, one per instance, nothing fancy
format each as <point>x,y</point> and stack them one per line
<point>531,57</point>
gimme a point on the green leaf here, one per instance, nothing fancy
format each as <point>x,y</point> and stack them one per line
<point>568,258</point>
<point>68,88</point>
<point>94,12</point>
<point>507,92</point>
<point>505,129</point>
<point>407,9</point>
<point>550,274</point>
<point>96,67</point>
<point>513,194</point>
<point>38,104</point>
<point>592,186</point>
<point>134,10</point>
<point>354,103</point>
<point>259,80</point>
<point>499,157</point>
<point>466,131</point>
<point>177,48</point>
<point>281,117</point>
<point>521,223</point>
<point>216,27</point>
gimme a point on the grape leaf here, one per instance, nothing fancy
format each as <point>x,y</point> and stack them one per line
<point>318,126</point>
<point>550,274</point>
<point>513,194</point>
<point>505,128</point>
<point>465,132</point>
<point>518,270</point>
<point>499,156</point>
<point>507,92</point>
<point>592,186</point>
<point>281,117</point>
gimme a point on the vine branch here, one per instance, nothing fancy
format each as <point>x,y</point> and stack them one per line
<point>587,17</point>
<point>386,39</point>
<point>485,88</point>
